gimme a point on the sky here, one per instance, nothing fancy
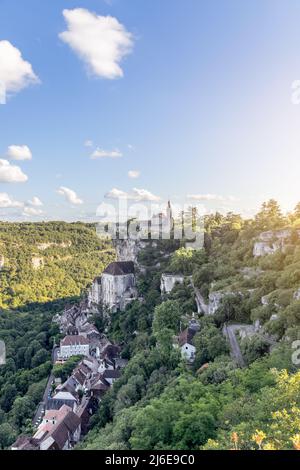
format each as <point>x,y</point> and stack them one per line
<point>196,101</point>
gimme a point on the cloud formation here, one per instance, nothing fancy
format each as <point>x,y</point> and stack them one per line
<point>100,41</point>
<point>134,195</point>
<point>210,197</point>
<point>133,174</point>
<point>88,143</point>
<point>69,195</point>
<point>7,202</point>
<point>15,72</point>
<point>19,152</point>
<point>31,211</point>
<point>99,153</point>
<point>11,173</point>
<point>35,201</point>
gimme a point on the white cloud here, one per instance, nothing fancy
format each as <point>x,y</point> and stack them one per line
<point>134,195</point>
<point>212,198</point>
<point>133,174</point>
<point>143,195</point>
<point>116,194</point>
<point>19,152</point>
<point>206,197</point>
<point>28,211</point>
<point>99,153</point>
<point>11,173</point>
<point>35,201</point>
<point>69,195</point>
<point>88,143</point>
<point>7,202</point>
<point>100,41</point>
<point>15,72</point>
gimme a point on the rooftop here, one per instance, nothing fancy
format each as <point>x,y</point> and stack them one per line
<point>74,340</point>
<point>120,268</point>
<point>186,336</point>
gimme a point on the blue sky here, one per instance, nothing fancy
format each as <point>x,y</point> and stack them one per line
<point>199,105</point>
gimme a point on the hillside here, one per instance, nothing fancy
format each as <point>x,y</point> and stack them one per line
<point>160,402</point>
<point>30,294</point>
<point>41,262</point>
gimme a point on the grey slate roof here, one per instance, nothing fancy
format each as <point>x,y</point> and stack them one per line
<point>119,268</point>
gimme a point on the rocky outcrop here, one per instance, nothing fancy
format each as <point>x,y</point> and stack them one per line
<point>128,250</point>
<point>37,262</point>
<point>168,281</point>
<point>44,246</point>
<point>2,262</point>
<point>214,301</point>
<point>94,293</point>
<point>271,241</point>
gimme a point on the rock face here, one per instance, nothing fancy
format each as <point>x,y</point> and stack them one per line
<point>2,261</point>
<point>271,241</point>
<point>37,262</point>
<point>128,250</point>
<point>214,301</point>
<point>168,282</point>
<point>94,294</point>
<point>202,306</point>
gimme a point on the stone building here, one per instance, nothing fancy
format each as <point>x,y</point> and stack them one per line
<point>115,288</point>
<point>76,345</point>
<point>118,285</point>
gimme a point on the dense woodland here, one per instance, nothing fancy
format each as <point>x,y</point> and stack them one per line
<point>72,255</point>
<point>160,402</point>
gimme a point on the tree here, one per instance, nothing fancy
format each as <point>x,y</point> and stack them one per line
<point>209,343</point>
<point>22,410</point>
<point>7,435</point>
<point>166,316</point>
<point>270,216</point>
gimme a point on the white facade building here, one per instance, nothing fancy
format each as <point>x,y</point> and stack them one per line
<point>74,345</point>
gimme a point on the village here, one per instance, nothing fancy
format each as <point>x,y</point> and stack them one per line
<point>62,418</point>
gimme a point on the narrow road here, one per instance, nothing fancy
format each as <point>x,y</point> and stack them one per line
<point>42,405</point>
<point>229,331</point>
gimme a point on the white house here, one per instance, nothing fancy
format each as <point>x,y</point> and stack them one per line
<point>74,345</point>
<point>185,341</point>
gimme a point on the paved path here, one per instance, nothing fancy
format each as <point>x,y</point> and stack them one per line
<point>229,331</point>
